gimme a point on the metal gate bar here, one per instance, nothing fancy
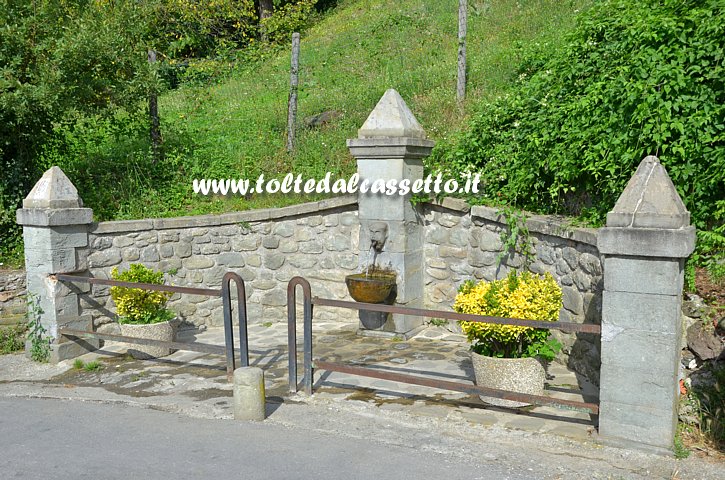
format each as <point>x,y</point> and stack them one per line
<point>224,293</point>
<point>457,387</point>
<point>309,366</point>
<point>191,346</point>
<point>377,307</point>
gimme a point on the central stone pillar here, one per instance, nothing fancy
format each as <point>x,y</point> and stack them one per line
<point>390,149</point>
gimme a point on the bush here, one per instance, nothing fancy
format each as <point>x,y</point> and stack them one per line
<point>59,59</point>
<point>635,78</point>
<point>287,19</point>
<point>524,296</point>
<point>12,338</point>
<point>138,306</point>
<point>193,28</point>
<point>710,398</point>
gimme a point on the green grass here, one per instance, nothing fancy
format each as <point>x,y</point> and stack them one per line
<point>234,127</point>
<point>92,366</point>
<point>12,338</point>
<point>237,128</point>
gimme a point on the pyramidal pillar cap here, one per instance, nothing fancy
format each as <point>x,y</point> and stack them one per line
<point>53,190</point>
<point>391,118</point>
<point>650,200</point>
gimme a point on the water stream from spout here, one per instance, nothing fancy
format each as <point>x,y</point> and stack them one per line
<point>367,262</point>
<point>375,259</point>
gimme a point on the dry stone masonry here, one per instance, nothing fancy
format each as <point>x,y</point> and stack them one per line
<point>463,242</point>
<point>266,247</point>
<point>627,276</point>
<point>12,297</point>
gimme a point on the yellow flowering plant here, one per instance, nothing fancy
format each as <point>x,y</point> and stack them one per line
<point>520,295</point>
<point>138,306</point>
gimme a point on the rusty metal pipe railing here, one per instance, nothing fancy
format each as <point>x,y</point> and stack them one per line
<point>190,346</point>
<point>143,286</point>
<point>292,333</point>
<point>228,327</point>
<point>457,387</point>
<point>309,302</point>
<point>376,307</point>
<point>224,292</point>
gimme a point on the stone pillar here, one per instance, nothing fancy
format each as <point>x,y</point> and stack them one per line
<point>645,243</point>
<point>391,145</point>
<point>55,234</point>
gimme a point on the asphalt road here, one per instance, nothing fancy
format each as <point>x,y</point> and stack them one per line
<point>54,439</point>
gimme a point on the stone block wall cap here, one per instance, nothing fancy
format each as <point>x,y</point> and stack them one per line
<point>647,242</point>
<point>53,217</point>
<point>53,190</point>
<point>390,142</point>
<point>391,117</point>
<point>650,200</point>
<point>451,203</point>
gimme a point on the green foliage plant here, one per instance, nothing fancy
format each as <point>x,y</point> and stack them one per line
<point>633,78</point>
<point>37,334</point>
<point>288,18</point>
<point>515,237</point>
<point>12,338</point>
<point>524,296</point>
<point>707,399</point>
<point>138,306</point>
<point>93,366</point>
<point>678,446</point>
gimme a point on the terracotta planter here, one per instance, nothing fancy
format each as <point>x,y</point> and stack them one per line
<point>154,331</point>
<point>522,375</point>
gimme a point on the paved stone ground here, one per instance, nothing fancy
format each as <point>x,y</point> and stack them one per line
<point>550,443</point>
<point>434,353</point>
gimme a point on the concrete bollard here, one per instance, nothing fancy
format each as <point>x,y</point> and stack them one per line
<point>249,399</point>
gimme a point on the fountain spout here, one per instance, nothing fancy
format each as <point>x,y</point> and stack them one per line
<point>378,235</point>
<point>374,285</point>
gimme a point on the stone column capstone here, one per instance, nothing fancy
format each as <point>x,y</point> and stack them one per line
<point>391,145</point>
<point>644,244</point>
<point>55,236</point>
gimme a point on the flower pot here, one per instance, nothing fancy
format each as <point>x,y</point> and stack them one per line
<point>163,331</point>
<point>522,375</point>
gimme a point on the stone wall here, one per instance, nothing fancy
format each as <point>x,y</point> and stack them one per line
<point>12,297</point>
<point>319,241</point>
<point>266,247</point>
<point>463,243</point>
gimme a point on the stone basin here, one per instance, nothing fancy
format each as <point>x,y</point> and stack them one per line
<point>372,288</point>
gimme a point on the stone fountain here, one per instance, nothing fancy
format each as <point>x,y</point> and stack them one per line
<point>374,284</point>
<point>391,146</point>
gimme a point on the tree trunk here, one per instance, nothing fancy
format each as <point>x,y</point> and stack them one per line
<point>265,9</point>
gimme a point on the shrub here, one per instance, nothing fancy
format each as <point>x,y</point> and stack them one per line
<point>138,306</point>
<point>192,28</point>
<point>287,19</point>
<point>525,296</point>
<point>12,338</point>
<point>635,78</point>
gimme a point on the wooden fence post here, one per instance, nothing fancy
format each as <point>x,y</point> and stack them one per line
<point>292,102</point>
<point>154,114</point>
<point>462,27</point>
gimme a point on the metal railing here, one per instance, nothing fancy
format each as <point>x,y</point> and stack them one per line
<point>310,365</point>
<point>224,292</point>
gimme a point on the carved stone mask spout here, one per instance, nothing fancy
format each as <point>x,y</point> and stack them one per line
<point>378,235</point>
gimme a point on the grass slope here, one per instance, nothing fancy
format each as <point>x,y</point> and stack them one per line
<point>348,59</point>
